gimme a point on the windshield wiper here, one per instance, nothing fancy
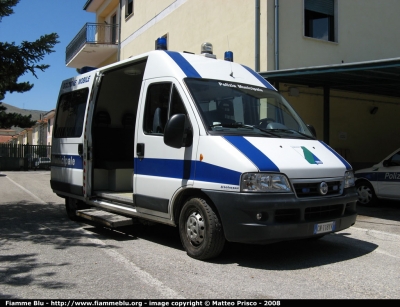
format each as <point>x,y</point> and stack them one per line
<point>231,125</point>
<point>306,135</point>
<point>268,131</point>
<point>294,131</point>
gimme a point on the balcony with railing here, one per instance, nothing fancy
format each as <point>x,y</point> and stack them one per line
<point>95,43</point>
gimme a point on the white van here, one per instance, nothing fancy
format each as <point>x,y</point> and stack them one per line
<point>202,144</point>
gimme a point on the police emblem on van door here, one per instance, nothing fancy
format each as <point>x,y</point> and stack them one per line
<point>323,188</point>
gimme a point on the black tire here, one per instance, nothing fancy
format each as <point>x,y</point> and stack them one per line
<point>200,230</point>
<point>366,194</point>
<point>71,205</point>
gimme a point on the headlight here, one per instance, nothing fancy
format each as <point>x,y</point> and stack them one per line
<point>348,179</point>
<point>264,182</point>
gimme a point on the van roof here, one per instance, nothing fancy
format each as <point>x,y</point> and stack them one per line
<point>180,65</point>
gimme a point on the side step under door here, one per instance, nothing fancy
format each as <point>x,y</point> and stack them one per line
<point>108,219</point>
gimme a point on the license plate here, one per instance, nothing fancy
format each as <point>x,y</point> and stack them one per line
<point>324,227</point>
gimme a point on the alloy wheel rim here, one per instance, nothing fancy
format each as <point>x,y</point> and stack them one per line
<point>364,194</point>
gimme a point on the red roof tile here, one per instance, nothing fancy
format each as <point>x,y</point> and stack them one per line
<point>5,138</point>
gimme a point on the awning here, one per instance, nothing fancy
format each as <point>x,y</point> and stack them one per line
<point>380,77</point>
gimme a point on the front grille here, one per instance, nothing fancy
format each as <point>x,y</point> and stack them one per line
<point>311,189</point>
<point>323,212</point>
<point>287,215</point>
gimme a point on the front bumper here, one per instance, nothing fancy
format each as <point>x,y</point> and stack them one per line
<point>284,216</point>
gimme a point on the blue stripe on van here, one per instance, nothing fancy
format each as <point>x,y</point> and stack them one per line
<point>186,169</point>
<point>179,169</point>
<point>186,67</point>
<point>259,78</point>
<point>67,161</point>
<point>263,163</point>
<point>212,173</point>
<point>346,164</point>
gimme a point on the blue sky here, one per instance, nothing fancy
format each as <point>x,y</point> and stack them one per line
<point>31,19</point>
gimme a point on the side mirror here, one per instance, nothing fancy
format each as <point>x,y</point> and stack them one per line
<point>312,129</point>
<point>175,134</point>
<point>386,163</point>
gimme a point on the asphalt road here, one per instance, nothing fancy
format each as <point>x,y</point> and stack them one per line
<point>44,255</point>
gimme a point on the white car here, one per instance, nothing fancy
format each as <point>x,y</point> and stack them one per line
<point>381,181</point>
<point>42,163</point>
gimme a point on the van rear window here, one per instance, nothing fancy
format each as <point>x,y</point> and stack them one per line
<point>70,114</point>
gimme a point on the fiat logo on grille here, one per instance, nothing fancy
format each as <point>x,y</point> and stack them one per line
<point>323,188</point>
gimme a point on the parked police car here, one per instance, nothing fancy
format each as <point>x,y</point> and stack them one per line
<point>379,181</point>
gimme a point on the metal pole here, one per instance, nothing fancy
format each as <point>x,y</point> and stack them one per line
<point>257,36</point>
<point>119,31</point>
<point>326,114</point>
<point>276,34</point>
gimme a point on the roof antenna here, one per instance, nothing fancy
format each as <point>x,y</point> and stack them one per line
<point>231,74</point>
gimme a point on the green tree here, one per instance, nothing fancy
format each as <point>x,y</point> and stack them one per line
<point>17,60</point>
<point>7,120</point>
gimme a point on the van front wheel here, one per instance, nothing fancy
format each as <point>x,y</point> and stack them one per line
<point>200,230</point>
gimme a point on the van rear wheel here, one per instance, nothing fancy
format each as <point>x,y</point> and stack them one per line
<point>71,205</point>
<point>200,230</point>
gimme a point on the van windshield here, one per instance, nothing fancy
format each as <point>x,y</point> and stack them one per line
<point>236,108</point>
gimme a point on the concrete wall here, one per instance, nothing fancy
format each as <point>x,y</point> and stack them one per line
<point>227,24</point>
<point>106,10</point>
<point>49,130</point>
<point>366,30</point>
<point>361,137</point>
<point>35,135</point>
<point>110,60</point>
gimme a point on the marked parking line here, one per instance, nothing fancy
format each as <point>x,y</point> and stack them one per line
<point>385,253</point>
<point>145,277</point>
<point>377,232</point>
<point>379,250</point>
<point>27,191</point>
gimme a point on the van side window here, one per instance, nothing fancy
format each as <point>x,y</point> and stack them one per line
<point>162,101</point>
<point>70,114</point>
<point>156,109</point>
<point>177,107</point>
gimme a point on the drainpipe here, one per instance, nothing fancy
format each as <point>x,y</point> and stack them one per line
<point>119,31</point>
<point>257,36</point>
<point>276,34</point>
<point>326,113</point>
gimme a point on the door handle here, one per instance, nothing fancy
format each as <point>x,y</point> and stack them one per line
<point>140,150</point>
